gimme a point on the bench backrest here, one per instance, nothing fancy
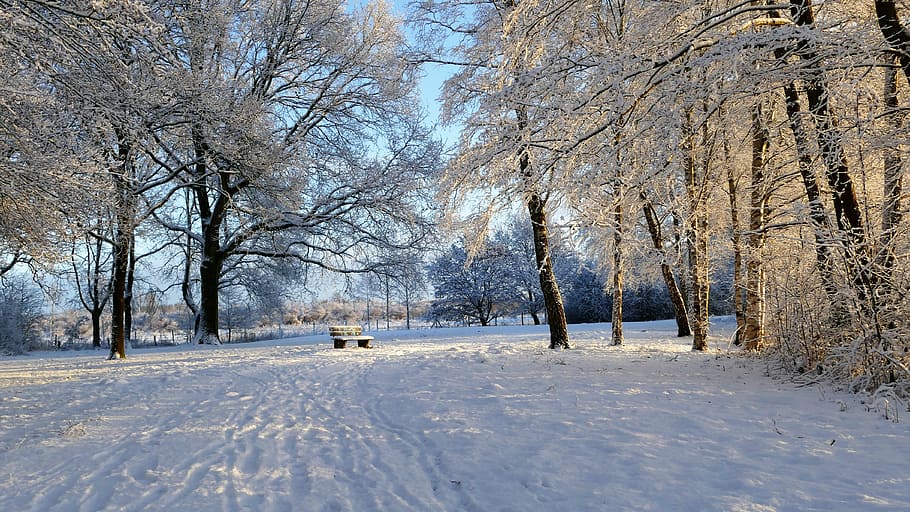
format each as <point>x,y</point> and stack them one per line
<point>345,330</point>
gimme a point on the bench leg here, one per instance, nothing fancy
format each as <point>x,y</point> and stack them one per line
<point>363,343</point>
<point>339,343</point>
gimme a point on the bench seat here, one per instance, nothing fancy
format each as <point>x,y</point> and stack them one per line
<point>341,334</point>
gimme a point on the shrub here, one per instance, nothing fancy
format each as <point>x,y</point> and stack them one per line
<point>20,309</point>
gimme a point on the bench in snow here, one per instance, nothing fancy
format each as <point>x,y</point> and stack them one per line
<point>341,334</point>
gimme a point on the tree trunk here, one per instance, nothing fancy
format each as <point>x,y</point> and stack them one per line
<point>895,34</point>
<point>893,180</point>
<point>697,230</point>
<point>125,215</point>
<point>407,314</point>
<point>682,255</point>
<point>698,253</point>
<point>95,294</point>
<point>549,288</point>
<point>617,275</point>
<point>209,283</point>
<point>534,316</point>
<point>388,305</point>
<point>754,332</point>
<point>118,298</point>
<point>676,296</point>
<point>898,39</point>
<point>211,218</point>
<point>128,294</point>
<point>739,287</point>
<point>211,266</point>
<point>96,315</point>
<point>847,210</point>
<point>818,217</point>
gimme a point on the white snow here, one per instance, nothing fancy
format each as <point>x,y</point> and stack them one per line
<point>473,419</point>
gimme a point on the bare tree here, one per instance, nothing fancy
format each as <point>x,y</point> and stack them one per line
<point>91,259</point>
<point>278,140</point>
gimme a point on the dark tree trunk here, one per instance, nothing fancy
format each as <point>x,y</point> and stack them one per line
<point>676,295</point>
<point>128,294</point>
<point>95,294</point>
<point>209,284</point>
<point>896,35</point>
<point>847,210</point>
<point>549,288</point>
<point>212,214</point>
<point>388,305</point>
<point>818,218</point>
<point>534,316</point>
<point>123,239</point>
<point>846,205</point>
<point>96,315</point>
<point>898,39</point>
<point>407,314</point>
<point>556,316</point>
<point>118,297</point>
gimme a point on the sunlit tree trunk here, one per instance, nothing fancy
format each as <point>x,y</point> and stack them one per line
<point>754,330</point>
<point>617,272</point>
<point>697,238</point>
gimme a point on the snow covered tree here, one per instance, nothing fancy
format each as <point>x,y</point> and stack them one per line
<point>408,282</point>
<point>520,266</point>
<point>297,139</point>
<point>92,60</point>
<point>91,260</point>
<point>488,94</point>
<point>471,288</point>
<point>48,173</point>
<point>20,309</point>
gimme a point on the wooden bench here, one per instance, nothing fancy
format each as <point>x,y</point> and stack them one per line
<point>341,334</point>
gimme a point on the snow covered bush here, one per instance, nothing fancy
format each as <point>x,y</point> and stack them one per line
<point>19,313</point>
<point>858,340</point>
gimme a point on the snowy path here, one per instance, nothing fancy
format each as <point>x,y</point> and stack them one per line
<point>452,422</point>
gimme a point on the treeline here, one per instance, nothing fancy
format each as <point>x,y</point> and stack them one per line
<point>230,149</point>
<point>500,280</point>
<point>676,135</point>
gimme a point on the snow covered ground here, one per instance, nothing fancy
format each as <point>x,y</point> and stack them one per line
<point>474,419</point>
